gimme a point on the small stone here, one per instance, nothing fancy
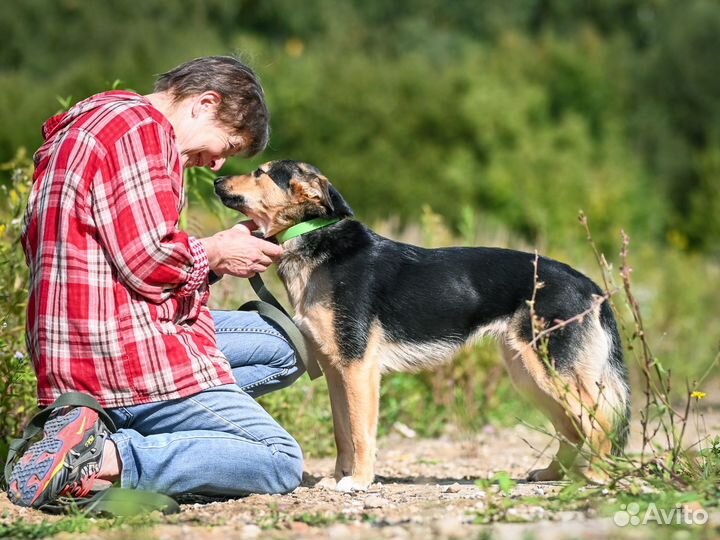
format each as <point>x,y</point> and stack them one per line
<point>299,527</point>
<point>250,532</point>
<point>450,527</point>
<point>524,513</point>
<point>339,532</point>
<point>328,483</point>
<point>393,532</point>
<point>404,430</point>
<point>373,501</point>
<point>568,515</point>
<point>453,488</point>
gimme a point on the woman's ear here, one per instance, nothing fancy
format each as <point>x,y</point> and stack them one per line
<point>207,102</point>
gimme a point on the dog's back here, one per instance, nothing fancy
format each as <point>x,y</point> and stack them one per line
<point>418,307</point>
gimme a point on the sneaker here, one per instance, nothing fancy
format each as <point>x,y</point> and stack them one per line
<point>65,462</point>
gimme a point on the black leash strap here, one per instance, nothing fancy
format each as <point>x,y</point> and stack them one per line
<point>269,307</point>
<point>114,501</point>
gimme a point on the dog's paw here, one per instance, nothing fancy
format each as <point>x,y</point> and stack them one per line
<point>327,483</point>
<point>597,477</point>
<point>545,475</point>
<point>349,484</point>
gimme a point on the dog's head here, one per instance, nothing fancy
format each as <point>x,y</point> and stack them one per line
<point>280,194</point>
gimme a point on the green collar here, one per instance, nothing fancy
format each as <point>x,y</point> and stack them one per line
<point>304,228</point>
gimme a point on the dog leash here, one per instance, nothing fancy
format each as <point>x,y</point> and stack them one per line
<point>269,307</point>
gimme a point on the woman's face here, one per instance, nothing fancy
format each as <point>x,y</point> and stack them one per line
<point>202,140</point>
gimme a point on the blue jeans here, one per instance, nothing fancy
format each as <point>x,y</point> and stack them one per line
<point>220,441</point>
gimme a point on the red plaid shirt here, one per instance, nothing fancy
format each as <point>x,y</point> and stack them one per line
<point>118,294</point>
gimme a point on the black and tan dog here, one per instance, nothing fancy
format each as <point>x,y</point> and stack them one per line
<point>371,305</point>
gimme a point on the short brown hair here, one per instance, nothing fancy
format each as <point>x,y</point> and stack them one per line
<point>242,107</point>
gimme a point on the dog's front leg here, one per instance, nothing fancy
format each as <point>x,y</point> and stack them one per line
<point>341,423</point>
<point>361,390</point>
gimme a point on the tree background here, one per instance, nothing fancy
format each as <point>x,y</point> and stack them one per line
<point>524,111</point>
<point>468,121</point>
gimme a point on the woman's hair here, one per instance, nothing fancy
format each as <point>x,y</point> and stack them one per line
<point>242,100</point>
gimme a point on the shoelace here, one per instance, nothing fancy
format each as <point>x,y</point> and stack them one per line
<point>82,487</point>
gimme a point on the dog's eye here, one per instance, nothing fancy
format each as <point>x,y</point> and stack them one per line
<point>258,173</point>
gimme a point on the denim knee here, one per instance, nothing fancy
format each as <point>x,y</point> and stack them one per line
<point>292,369</point>
<point>289,472</point>
<point>289,466</point>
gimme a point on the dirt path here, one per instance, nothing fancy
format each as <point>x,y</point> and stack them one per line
<point>425,489</point>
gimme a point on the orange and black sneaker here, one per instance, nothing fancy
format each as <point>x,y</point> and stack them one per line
<point>65,462</point>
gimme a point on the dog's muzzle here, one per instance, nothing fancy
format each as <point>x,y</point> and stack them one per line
<point>230,200</point>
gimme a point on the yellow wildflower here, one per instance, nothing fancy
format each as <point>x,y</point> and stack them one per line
<point>698,395</point>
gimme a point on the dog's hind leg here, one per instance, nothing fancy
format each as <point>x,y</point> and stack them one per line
<point>574,412</point>
<point>531,379</point>
<point>570,441</point>
<point>595,425</point>
<point>572,401</point>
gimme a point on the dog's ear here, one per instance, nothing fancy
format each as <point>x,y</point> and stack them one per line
<point>316,189</point>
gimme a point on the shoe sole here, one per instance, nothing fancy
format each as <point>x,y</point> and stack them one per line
<point>40,464</point>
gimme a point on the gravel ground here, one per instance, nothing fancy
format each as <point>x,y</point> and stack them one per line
<point>424,489</point>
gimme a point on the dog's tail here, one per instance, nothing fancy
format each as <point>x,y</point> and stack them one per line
<point>616,382</point>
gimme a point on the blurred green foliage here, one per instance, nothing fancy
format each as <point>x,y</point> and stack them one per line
<point>504,118</point>
<point>17,395</point>
<point>525,111</point>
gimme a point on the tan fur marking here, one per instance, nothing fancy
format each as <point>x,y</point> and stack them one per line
<point>362,386</point>
<point>354,387</point>
<point>296,273</point>
<point>264,200</point>
<point>314,191</point>
<point>318,323</point>
<point>334,375</point>
<point>310,290</point>
<point>574,403</point>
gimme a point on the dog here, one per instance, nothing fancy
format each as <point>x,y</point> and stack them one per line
<point>369,305</point>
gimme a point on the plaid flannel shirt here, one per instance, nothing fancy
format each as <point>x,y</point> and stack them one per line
<point>117,303</point>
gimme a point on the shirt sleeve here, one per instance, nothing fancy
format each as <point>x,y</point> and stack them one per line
<point>136,201</point>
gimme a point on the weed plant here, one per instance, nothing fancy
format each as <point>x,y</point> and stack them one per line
<point>671,346</point>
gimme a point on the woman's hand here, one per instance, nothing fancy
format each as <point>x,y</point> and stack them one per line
<point>238,253</point>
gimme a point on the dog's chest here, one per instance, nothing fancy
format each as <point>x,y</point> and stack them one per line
<point>310,291</point>
<point>295,274</point>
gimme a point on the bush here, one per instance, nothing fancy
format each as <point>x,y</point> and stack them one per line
<point>17,397</point>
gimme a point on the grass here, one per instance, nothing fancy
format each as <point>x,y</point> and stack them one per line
<point>671,346</point>
<point>78,523</point>
<point>671,510</point>
<point>23,530</point>
<point>278,520</point>
<point>671,481</point>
